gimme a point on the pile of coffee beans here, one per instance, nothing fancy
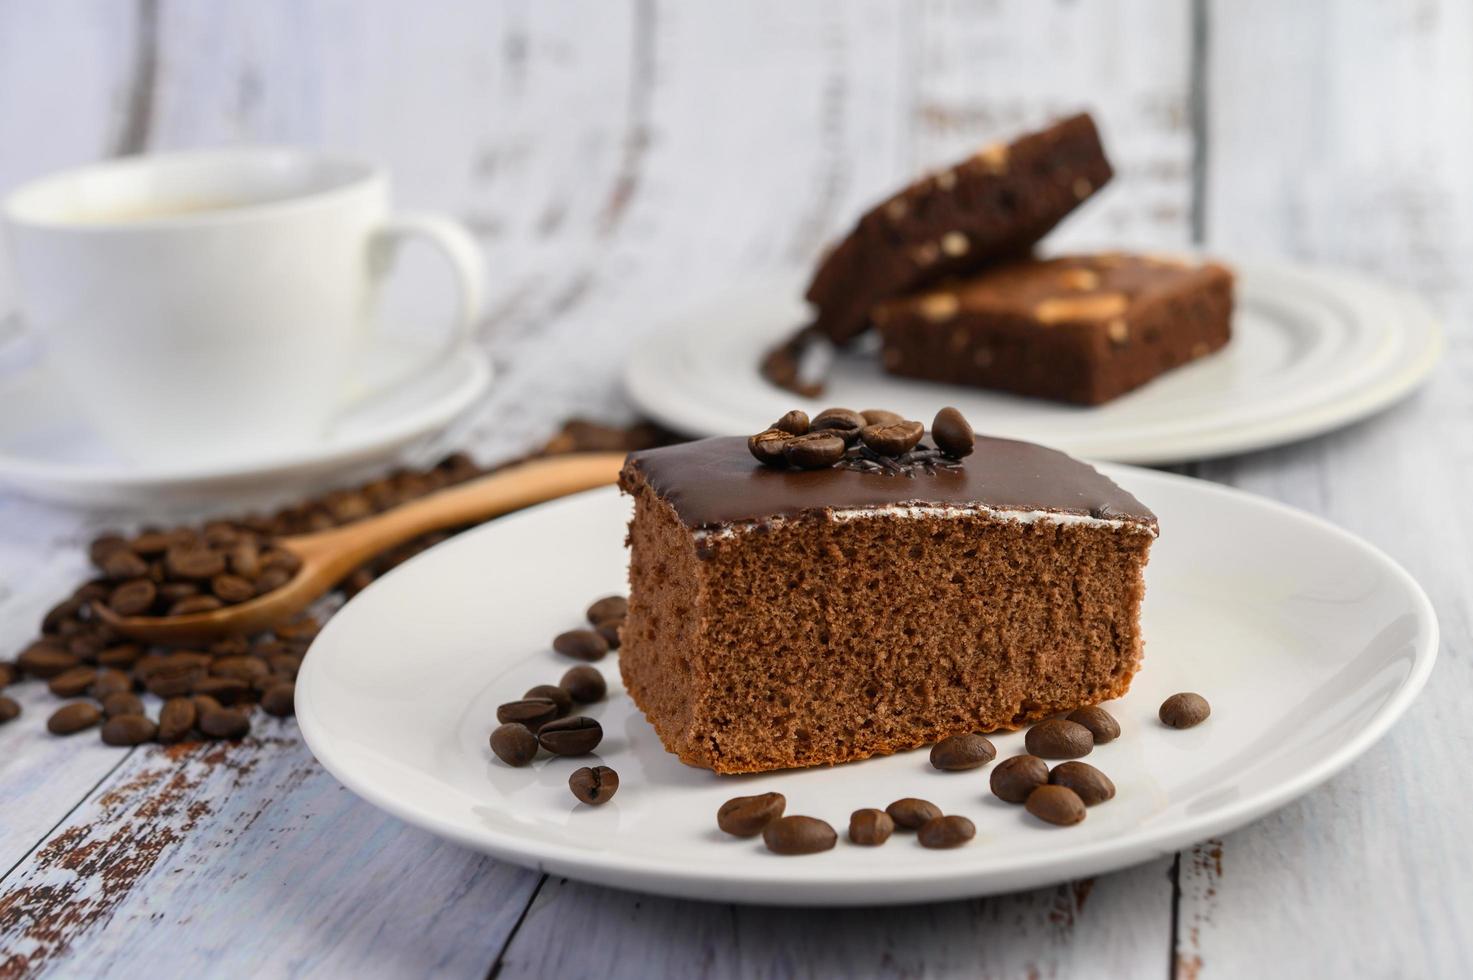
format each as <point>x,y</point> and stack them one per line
<point>874,440</point>
<point>606,616</point>
<point>1060,796</point>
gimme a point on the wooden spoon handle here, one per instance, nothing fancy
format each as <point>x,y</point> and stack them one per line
<point>340,550</point>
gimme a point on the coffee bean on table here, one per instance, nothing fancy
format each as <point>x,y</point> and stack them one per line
<point>879,416</point>
<point>203,703</point>
<point>952,433</point>
<point>840,421</point>
<point>9,674</point>
<point>911,813</point>
<point>280,699</point>
<point>609,630</point>
<point>559,697</point>
<point>122,703</point>
<point>72,683</point>
<point>581,645</point>
<point>226,690</point>
<point>514,744</point>
<point>1101,724</point>
<point>584,684</point>
<point>532,712</point>
<point>892,438</point>
<point>129,730</point>
<point>609,607</point>
<point>745,816</point>
<point>577,735</point>
<point>133,598</point>
<point>870,827</point>
<point>798,835</point>
<point>9,709</point>
<point>1088,783</point>
<point>109,681</point>
<point>594,785</point>
<point>1059,739</point>
<point>121,657</point>
<point>949,831</point>
<point>814,451</point>
<point>1015,778</point>
<point>45,660</point>
<point>1056,805</point>
<point>72,718</point>
<point>227,723</point>
<point>960,752</point>
<point>1184,710</point>
<point>176,718</point>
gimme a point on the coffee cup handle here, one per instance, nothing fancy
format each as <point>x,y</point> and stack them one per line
<point>457,245</point>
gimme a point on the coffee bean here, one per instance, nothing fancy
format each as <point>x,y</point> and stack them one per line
<point>109,682</point>
<point>594,785</point>
<point>1088,783</point>
<point>952,433</point>
<point>581,645</point>
<point>609,630</point>
<point>228,723</point>
<point>1056,804</point>
<point>798,835</point>
<point>609,607</point>
<point>104,545</point>
<point>514,744</point>
<point>226,690</point>
<point>171,682</point>
<point>9,709</point>
<point>1059,739</point>
<point>814,451</point>
<point>794,422</point>
<point>151,544</point>
<point>556,695</point>
<point>1184,710</point>
<point>72,683</point>
<point>46,660</point>
<point>870,827</point>
<point>532,712</point>
<point>271,578</point>
<point>745,816</point>
<point>961,752</point>
<point>942,832</point>
<point>892,438</point>
<point>839,421</point>
<point>245,668</point>
<point>176,718</point>
<point>245,559</point>
<point>1015,778</point>
<point>232,589</point>
<point>570,736</point>
<point>1101,724</point>
<point>910,812</point>
<point>768,447</point>
<point>192,562</point>
<point>172,592</point>
<point>9,673</point>
<point>133,598</point>
<point>129,730</point>
<point>72,718</point>
<point>195,604</point>
<point>121,657</point>
<point>65,611</point>
<point>280,699</point>
<point>584,684</point>
<point>123,563</point>
<point>305,628</point>
<point>122,703</point>
<point>880,416</point>
<point>203,703</point>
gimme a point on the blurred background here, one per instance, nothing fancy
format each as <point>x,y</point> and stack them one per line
<point>617,160</point>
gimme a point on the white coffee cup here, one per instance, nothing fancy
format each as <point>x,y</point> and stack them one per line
<point>207,306</point>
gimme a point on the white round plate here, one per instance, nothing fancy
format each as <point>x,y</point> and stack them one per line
<point>48,450</point>
<point>1312,350</point>
<point>1308,642</point>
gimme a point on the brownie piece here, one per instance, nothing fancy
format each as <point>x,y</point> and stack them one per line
<point>782,618</point>
<point>995,204</point>
<point>1081,329</point>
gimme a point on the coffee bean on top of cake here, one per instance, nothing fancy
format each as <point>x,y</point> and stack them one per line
<point>874,441</point>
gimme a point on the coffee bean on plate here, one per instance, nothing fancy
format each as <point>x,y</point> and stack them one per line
<point>952,433</point>
<point>74,717</point>
<point>609,607</point>
<point>745,816</point>
<point>227,723</point>
<point>584,684</point>
<point>577,735</point>
<point>1056,805</point>
<point>1059,739</point>
<point>892,438</point>
<point>949,831</point>
<point>870,827</point>
<point>609,630</point>
<point>581,645</point>
<point>1087,782</point>
<point>176,718</point>
<point>794,422</point>
<point>814,451</point>
<point>133,598</point>
<point>122,703</point>
<point>72,683</point>
<point>514,744</point>
<point>532,712</point>
<point>280,699</point>
<point>798,835</point>
<point>960,752</point>
<point>9,709</point>
<point>557,695</point>
<point>1101,724</point>
<point>879,416</point>
<point>1015,778</point>
<point>594,785</point>
<point>768,445</point>
<point>129,730</point>
<point>1184,710</point>
<point>911,813</point>
<point>840,421</point>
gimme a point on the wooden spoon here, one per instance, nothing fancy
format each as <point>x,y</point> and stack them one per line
<point>328,556</point>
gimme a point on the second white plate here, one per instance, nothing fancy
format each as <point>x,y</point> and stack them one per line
<point>1312,350</point>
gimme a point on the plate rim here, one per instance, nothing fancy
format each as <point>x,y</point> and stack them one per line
<point>718,882</point>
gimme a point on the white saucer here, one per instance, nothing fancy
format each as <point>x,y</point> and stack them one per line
<point>1312,350</point>
<point>47,449</point>
<point>1308,642</point>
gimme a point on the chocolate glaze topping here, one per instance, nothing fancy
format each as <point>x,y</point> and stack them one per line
<point>716,482</point>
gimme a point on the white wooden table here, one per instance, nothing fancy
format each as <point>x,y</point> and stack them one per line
<point>617,159</point>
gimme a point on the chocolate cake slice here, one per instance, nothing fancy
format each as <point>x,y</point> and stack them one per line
<point>782,617</point>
